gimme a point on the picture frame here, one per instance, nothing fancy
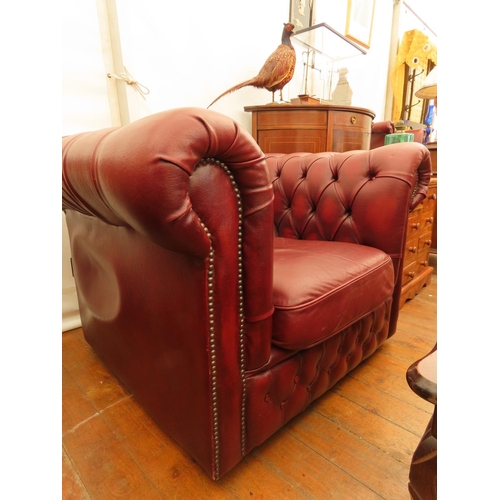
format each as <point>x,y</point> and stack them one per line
<point>301,13</point>
<point>359,21</point>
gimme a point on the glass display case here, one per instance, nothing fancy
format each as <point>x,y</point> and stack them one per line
<point>324,60</point>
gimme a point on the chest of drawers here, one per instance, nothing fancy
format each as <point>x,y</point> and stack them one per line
<point>416,270</point>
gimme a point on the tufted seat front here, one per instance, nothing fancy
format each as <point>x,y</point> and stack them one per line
<point>321,287</point>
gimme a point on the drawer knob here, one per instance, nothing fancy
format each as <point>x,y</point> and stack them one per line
<point>430,220</point>
<point>353,120</point>
<point>433,197</point>
<point>415,225</point>
<point>412,249</point>
<point>428,242</point>
<point>423,263</point>
<point>411,274</point>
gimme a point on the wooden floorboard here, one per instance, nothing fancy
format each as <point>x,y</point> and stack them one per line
<point>353,443</point>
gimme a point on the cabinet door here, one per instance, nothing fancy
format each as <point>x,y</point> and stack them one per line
<point>351,130</point>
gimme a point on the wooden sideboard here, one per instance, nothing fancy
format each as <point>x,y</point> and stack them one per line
<point>312,128</point>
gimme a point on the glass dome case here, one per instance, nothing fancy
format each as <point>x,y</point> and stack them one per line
<point>324,58</point>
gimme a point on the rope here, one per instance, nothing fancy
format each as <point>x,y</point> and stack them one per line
<point>129,79</point>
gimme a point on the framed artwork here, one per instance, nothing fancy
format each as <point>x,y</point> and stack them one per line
<point>360,21</point>
<point>301,13</point>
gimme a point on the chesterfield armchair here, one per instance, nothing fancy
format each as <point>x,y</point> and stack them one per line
<point>226,289</point>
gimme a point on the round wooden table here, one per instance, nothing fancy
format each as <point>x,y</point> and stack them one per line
<point>422,378</point>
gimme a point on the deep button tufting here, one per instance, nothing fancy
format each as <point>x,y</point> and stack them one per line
<point>282,405</point>
<point>267,397</point>
<point>296,379</point>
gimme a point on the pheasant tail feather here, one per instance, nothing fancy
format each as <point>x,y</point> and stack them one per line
<point>233,89</point>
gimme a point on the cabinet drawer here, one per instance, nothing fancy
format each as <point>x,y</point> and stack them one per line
<point>422,260</point>
<point>296,119</point>
<point>351,120</point>
<point>414,224</point>
<point>431,198</point>
<point>427,220</point>
<point>410,272</point>
<point>411,251</point>
<point>424,242</point>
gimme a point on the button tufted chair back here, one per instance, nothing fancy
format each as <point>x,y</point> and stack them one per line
<point>323,196</point>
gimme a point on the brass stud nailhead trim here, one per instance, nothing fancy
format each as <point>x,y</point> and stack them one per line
<point>213,353</point>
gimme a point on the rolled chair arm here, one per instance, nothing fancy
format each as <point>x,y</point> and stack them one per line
<point>378,133</point>
<point>424,174</point>
<point>138,175</point>
<point>385,127</point>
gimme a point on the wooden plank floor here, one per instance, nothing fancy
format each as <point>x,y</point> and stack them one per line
<point>354,443</point>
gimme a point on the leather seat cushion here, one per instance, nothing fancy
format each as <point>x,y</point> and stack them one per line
<point>321,287</point>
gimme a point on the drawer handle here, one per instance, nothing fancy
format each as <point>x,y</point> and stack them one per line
<point>428,242</point>
<point>415,225</point>
<point>353,120</point>
<point>423,263</point>
<point>412,249</point>
<point>411,274</point>
<point>430,220</point>
<point>433,197</point>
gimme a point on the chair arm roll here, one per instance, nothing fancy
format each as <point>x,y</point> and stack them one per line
<point>138,175</point>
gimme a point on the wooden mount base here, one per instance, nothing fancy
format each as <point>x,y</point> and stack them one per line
<point>305,99</point>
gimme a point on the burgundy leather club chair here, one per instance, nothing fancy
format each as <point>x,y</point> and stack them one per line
<point>227,290</point>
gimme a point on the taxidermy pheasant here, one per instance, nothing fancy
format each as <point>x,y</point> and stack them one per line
<point>277,70</point>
